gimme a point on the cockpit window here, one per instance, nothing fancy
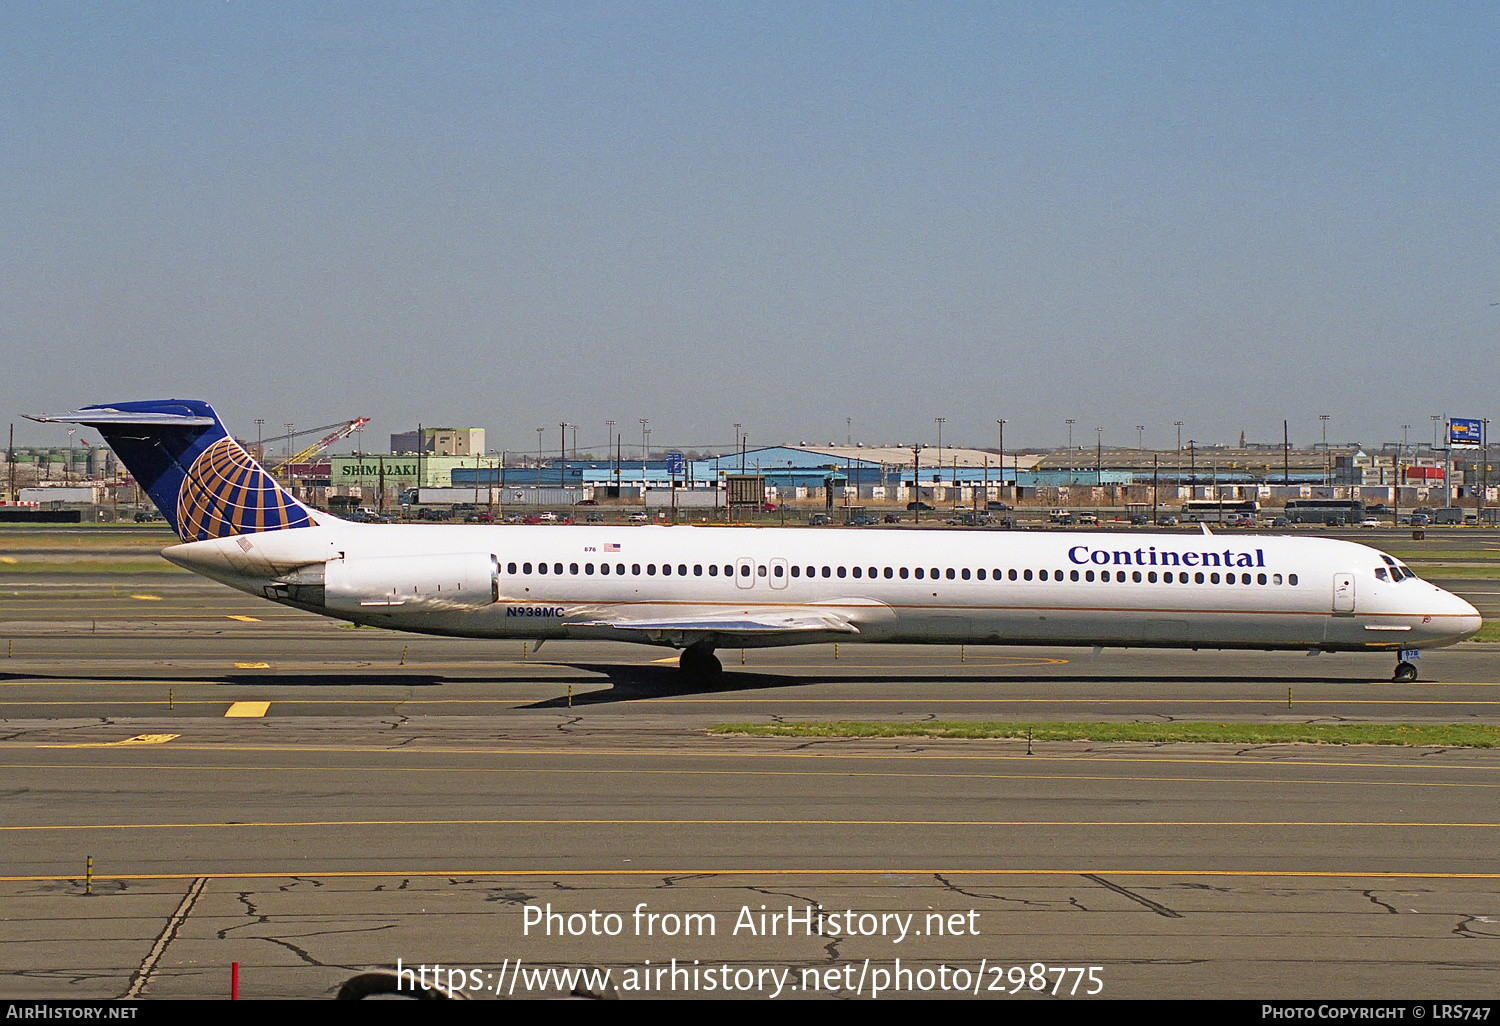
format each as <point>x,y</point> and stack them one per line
<point>1380,573</point>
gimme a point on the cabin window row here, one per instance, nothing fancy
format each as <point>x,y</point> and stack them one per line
<point>903,573</point>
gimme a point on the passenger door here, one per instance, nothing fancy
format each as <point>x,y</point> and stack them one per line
<point>1343,594</point>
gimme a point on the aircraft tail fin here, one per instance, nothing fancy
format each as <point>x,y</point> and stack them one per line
<point>202,480</point>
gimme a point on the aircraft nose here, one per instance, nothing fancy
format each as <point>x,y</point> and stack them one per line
<point>1461,616</point>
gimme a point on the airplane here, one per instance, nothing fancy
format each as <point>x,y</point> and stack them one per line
<point>700,589</point>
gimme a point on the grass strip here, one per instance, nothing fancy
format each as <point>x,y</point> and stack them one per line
<point>1489,632</point>
<point>1409,734</point>
<point>92,567</point>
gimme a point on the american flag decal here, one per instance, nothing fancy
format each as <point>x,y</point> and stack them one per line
<point>611,547</point>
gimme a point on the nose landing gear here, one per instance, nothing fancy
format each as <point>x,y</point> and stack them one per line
<point>1405,672</point>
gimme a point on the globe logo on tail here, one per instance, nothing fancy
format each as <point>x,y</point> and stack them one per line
<point>226,492</point>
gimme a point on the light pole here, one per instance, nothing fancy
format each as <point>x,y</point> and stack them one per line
<point>1098,457</point>
<point>1140,434</point>
<point>916,482</point>
<point>1071,422</point>
<point>1435,418</point>
<point>1324,418</point>
<point>1178,424</point>
<point>539,456</point>
<point>1001,424</point>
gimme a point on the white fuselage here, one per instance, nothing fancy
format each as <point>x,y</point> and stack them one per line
<point>673,585</point>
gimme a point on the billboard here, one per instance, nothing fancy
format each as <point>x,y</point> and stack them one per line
<point>1465,432</point>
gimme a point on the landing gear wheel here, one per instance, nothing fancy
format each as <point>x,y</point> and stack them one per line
<point>1405,672</point>
<point>700,664</point>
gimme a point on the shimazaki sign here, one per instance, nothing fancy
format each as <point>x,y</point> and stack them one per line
<point>369,472</point>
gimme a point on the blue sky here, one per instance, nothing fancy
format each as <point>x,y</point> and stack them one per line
<point>782,215</point>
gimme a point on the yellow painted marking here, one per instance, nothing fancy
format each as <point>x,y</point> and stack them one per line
<point>925,823</point>
<point>139,739</point>
<point>720,872</point>
<point>246,619</point>
<point>147,598</point>
<point>248,709</point>
<point>885,753</point>
<point>252,666</point>
<point>7,559</point>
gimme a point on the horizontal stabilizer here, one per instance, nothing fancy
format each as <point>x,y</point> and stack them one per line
<point>106,416</point>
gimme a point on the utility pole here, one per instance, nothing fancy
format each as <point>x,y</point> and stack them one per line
<point>1179,441</point>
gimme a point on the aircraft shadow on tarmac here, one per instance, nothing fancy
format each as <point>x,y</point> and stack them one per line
<point>633,682</point>
<point>639,683</point>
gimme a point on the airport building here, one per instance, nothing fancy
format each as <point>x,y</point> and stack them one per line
<point>440,441</point>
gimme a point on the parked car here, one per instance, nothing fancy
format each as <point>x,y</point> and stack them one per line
<point>892,518</point>
<point>817,520</point>
<point>547,517</point>
<point>913,507</point>
<point>1280,522</point>
<point>1089,519</point>
<point>638,517</point>
<point>1000,507</point>
<point>1370,522</point>
<point>1166,521</point>
<point>863,520</point>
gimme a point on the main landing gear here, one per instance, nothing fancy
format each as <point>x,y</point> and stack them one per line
<point>1405,672</point>
<point>698,662</point>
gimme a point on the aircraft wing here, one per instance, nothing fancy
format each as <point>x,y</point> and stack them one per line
<point>730,627</point>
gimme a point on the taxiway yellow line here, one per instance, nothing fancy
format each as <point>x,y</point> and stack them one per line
<point>517,771</point>
<point>924,823</point>
<point>885,754</point>
<point>719,872</point>
<point>248,709</point>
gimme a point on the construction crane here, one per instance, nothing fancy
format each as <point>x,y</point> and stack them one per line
<point>341,430</point>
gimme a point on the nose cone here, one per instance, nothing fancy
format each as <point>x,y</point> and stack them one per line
<point>1456,619</point>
